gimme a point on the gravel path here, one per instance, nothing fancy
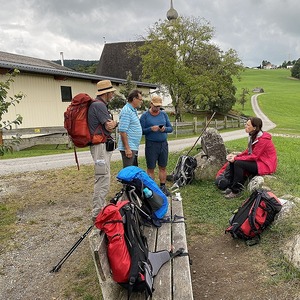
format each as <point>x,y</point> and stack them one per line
<point>21,165</point>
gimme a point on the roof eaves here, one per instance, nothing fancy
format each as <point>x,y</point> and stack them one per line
<point>73,74</point>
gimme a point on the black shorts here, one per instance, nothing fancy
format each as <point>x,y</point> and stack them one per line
<point>156,152</point>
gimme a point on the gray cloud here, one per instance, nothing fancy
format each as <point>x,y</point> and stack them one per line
<point>256,29</point>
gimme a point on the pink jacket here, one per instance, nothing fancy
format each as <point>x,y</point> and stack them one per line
<point>263,152</point>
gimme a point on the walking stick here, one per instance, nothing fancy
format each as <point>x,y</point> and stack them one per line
<point>58,266</point>
<point>204,128</point>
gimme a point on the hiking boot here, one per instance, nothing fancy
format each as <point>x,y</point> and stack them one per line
<point>232,195</point>
<point>165,190</point>
<point>227,191</point>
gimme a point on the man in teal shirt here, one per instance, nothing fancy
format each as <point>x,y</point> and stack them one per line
<point>130,129</point>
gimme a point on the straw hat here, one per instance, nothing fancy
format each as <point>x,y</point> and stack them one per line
<point>156,101</point>
<point>104,86</point>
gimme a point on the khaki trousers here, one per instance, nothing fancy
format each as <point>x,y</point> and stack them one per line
<point>101,159</point>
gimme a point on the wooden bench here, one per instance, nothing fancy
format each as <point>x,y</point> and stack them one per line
<point>173,281</point>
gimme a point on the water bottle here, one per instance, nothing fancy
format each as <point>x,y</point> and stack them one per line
<point>147,192</point>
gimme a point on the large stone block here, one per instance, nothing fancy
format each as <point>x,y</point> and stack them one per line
<point>212,155</point>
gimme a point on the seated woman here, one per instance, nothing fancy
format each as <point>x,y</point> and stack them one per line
<point>259,158</point>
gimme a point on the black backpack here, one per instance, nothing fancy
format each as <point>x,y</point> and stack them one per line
<point>254,216</point>
<point>133,266</point>
<point>183,173</point>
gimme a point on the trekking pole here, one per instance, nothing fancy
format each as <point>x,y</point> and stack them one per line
<point>204,128</point>
<point>58,266</point>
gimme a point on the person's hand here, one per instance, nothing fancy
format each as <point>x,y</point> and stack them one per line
<point>155,128</point>
<point>162,129</point>
<point>110,125</point>
<point>230,157</point>
<point>128,153</point>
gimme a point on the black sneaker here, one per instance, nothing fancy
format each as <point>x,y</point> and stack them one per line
<point>227,191</point>
<point>233,195</point>
<point>165,190</point>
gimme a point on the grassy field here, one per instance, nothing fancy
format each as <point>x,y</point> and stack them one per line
<point>281,99</point>
<point>206,211</point>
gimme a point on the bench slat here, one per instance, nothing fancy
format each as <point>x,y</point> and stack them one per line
<point>98,246</point>
<point>182,284</point>
<point>173,281</point>
<point>163,280</point>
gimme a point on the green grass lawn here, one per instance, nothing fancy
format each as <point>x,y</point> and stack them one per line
<point>281,99</point>
<point>205,208</point>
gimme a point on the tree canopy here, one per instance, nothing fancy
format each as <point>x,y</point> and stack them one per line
<point>181,56</point>
<point>5,103</point>
<point>120,100</point>
<point>295,71</point>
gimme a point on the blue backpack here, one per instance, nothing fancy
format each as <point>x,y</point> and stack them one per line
<point>139,180</point>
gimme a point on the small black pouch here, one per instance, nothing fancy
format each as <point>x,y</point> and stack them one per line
<point>110,145</point>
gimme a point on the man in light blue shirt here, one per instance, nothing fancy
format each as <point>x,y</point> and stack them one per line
<point>130,129</point>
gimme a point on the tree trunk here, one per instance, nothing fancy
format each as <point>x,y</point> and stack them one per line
<point>1,137</point>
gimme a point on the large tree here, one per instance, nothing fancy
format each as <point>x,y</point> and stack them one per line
<point>295,71</point>
<point>181,56</point>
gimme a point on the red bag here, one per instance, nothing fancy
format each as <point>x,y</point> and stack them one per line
<point>75,120</point>
<point>254,216</point>
<point>110,221</point>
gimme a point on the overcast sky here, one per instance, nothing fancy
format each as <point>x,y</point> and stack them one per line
<point>257,29</point>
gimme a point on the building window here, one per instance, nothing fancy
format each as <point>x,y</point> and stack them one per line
<point>66,93</point>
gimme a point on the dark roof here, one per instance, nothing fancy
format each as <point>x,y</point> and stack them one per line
<point>9,61</point>
<point>116,60</point>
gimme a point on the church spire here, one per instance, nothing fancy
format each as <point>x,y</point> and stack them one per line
<point>172,14</point>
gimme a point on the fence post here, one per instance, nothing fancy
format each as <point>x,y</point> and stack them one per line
<point>176,129</point>
<point>225,122</point>
<point>195,124</point>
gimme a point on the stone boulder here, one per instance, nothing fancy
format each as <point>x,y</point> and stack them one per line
<point>291,248</point>
<point>212,155</point>
<point>292,251</point>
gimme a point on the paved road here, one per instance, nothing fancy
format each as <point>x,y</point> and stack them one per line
<point>20,165</point>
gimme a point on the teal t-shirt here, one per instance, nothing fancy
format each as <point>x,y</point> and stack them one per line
<point>129,122</point>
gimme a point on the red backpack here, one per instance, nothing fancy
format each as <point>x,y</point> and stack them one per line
<point>254,216</point>
<point>110,221</point>
<point>75,120</point>
<point>132,265</point>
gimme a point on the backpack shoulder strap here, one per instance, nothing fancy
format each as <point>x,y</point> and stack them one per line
<point>136,245</point>
<point>253,211</point>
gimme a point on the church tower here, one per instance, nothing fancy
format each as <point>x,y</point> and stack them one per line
<point>172,14</point>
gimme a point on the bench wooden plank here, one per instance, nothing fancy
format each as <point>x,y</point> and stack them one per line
<point>163,280</point>
<point>182,284</point>
<point>173,282</point>
<point>98,247</point>
<point>151,234</point>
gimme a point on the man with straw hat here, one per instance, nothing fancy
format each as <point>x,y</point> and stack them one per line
<point>156,126</point>
<point>101,124</point>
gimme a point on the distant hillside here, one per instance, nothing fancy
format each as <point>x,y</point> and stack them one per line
<point>85,66</point>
